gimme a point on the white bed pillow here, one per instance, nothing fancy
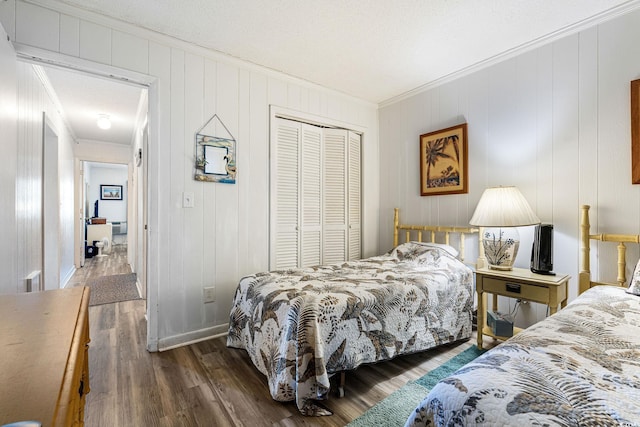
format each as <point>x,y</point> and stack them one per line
<point>450,249</point>
<point>634,285</point>
<point>412,244</point>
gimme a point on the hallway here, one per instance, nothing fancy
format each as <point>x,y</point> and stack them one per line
<point>118,333</point>
<point>114,263</point>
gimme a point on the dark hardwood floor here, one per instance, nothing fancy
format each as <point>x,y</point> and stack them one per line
<point>208,384</point>
<point>114,263</point>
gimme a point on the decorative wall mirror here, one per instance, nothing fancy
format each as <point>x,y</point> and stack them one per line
<point>215,153</point>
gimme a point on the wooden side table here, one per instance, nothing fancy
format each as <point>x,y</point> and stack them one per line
<point>44,344</point>
<point>517,283</point>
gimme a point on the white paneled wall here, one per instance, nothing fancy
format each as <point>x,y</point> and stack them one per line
<point>97,175</point>
<point>553,121</point>
<point>225,236</point>
<point>8,147</point>
<point>33,100</point>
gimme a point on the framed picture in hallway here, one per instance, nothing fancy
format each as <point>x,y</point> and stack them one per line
<point>111,192</point>
<point>443,161</point>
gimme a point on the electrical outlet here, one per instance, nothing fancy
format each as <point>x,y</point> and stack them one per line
<point>187,199</point>
<point>209,294</point>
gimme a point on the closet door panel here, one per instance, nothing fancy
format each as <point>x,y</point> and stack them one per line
<point>334,246</point>
<point>286,250</point>
<point>311,196</point>
<point>311,247</point>
<point>285,195</point>
<point>335,175</point>
<point>334,192</point>
<point>355,242</point>
<point>355,196</point>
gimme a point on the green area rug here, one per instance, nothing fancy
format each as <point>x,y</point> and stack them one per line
<point>396,408</point>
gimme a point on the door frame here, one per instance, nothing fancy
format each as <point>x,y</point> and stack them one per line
<point>50,198</point>
<point>40,56</point>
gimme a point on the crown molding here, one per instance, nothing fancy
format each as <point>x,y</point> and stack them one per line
<point>174,42</point>
<point>44,80</point>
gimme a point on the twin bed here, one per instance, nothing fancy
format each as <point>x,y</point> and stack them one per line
<point>579,367</point>
<point>302,326</point>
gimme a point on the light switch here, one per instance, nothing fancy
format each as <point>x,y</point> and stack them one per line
<point>187,199</point>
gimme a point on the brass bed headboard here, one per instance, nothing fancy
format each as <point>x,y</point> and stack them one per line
<point>585,241</point>
<point>432,230</point>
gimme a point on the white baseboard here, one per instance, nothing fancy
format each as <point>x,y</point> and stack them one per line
<point>192,337</point>
<point>64,281</point>
<point>139,287</point>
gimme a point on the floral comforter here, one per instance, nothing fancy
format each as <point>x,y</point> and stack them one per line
<point>579,367</point>
<point>301,326</point>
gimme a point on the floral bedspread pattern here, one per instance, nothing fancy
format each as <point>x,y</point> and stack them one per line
<point>579,367</point>
<point>300,326</point>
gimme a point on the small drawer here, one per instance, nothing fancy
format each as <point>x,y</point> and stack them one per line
<point>527,291</point>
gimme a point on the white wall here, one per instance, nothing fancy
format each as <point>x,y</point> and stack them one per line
<point>97,175</point>
<point>553,121</point>
<point>106,152</point>
<point>33,100</point>
<point>137,219</point>
<point>97,151</point>
<point>9,149</point>
<point>225,236</point>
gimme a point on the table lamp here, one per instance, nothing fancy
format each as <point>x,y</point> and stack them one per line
<point>500,210</point>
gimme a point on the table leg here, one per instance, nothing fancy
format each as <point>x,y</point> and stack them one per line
<point>563,303</point>
<point>480,317</point>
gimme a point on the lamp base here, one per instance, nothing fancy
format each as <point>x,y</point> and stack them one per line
<point>501,247</point>
<point>500,267</point>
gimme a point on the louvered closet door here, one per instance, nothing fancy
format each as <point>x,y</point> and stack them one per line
<point>355,198</point>
<point>335,196</point>
<point>311,197</point>
<point>285,195</point>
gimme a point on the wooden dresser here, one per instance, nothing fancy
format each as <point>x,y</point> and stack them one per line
<point>44,363</point>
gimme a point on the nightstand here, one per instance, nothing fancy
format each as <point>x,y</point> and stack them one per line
<point>517,283</point>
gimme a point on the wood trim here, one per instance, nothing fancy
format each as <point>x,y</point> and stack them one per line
<point>432,230</point>
<point>585,281</point>
<point>635,132</point>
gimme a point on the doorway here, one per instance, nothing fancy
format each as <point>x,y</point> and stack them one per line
<point>106,218</point>
<point>50,208</point>
<point>101,150</point>
<point>109,176</point>
<point>105,117</point>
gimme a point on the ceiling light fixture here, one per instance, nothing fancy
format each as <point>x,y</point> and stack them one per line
<point>104,122</point>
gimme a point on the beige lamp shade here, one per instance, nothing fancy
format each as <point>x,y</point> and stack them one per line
<point>503,207</point>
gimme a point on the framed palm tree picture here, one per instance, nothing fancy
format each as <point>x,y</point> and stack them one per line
<point>443,161</point>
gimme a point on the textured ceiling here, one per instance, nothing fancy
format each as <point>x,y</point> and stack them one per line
<point>372,49</point>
